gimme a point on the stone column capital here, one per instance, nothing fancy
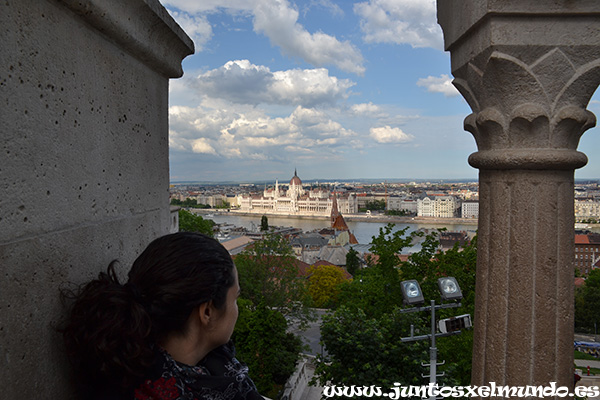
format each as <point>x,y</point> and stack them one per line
<point>527,76</point>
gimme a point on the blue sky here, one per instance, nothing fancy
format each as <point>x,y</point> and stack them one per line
<point>338,89</point>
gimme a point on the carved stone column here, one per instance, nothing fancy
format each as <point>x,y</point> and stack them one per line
<point>527,68</point>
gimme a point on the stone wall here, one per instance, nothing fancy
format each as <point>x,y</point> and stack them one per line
<point>84,166</point>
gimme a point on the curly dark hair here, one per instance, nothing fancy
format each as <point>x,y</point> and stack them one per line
<point>112,329</point>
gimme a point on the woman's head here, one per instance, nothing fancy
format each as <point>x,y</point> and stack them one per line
<point>177,273</point>
<point>112,328</point>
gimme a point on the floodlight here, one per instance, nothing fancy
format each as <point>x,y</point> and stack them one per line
<point>455,323</point>
<point>411,291</point>
<point>449,289</point>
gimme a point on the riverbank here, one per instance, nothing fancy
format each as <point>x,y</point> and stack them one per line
<point>394,219</point>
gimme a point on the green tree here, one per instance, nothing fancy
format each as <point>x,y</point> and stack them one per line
<point>400,213</point>
<point>587,303</point>
<point>372,302</point>
<point>263,343</point>
<point>264,223</point>
<point>268,274</point>
<point>426,266</point>
<point>189,222</point>
<point>375,205</point>
<point>362,337</point>
<point>324,284</point>
<point>368,351</point>
<point>272,291</point>
<point>352,261</point>
<point>376,289</point>
<point>188,203</point>
<point>223,204</point>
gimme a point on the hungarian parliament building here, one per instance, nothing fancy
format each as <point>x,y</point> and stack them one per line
<point>298,201</point>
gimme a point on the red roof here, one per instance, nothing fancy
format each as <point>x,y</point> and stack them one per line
<point>582,239</point>
<point>374,257</point>
<point>339,223</point>
<point>302,267</point>
<point>579,282</point>
<point>588,238</point>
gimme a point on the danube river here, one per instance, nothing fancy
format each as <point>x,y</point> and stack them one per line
<point>363,230</point>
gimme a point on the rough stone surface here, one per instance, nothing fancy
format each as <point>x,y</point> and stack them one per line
<point>83,162</point>
<point>528,70</point>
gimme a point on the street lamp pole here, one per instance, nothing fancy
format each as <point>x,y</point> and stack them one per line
<point>449,289</point>
<point>432,349</point>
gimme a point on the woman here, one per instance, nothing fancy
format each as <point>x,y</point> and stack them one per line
<point>165,334</point>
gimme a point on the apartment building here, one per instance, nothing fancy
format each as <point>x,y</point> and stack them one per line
<point>587,252</point>
<point>438,207</point>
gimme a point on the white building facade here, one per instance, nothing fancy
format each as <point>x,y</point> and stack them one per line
<point>470,209</point>
<point>438,207</point>
<point>402,203</point>
<point>297,201</point>
<point>585,209</point>
<point>426,207</point>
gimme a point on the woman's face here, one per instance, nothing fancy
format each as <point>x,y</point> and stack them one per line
<point>228,314</point>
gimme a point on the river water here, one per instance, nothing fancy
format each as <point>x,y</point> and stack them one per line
<point>363,230</point>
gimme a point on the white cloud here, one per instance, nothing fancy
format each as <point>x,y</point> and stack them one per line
<point>243,82</point>
<point>442,84</point>
<point>279,22</point>
<point>197,27</point>
<point>175,142</point>
<point>254,136</point>
<point>401,22</point>
<point>329,5</point>
<point>365,108</point>
<point>197,6</point>
<point>202,146</point>
<point>387,134</point>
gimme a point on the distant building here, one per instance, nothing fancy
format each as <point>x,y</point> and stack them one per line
<point>449,239</point>
<point>426,207</point>
<point>470,209</point>
<point>587,209</point>
<point>446,207</point>
<point>296,201</point>
<point>398,203</point>
<point>587,252</point>
<point>328,244</point>
<point>237,245</point>
<point>307,246</point>
<point>334,255</point>
<point>216,200</point>
<point>343,235</point>
<point>438,207</point>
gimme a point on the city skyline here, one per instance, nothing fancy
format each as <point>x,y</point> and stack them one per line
<point>337,89</point>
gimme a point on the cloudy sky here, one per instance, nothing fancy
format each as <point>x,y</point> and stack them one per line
<point>338,89</point>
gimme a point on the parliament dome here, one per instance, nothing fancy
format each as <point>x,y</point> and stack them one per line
<point>295,180</point>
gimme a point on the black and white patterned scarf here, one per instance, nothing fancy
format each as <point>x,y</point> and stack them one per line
<point>219,376</point>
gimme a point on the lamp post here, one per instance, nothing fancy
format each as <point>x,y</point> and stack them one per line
<point>450,291</point>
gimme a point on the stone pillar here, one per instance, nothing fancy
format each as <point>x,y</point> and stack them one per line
<point>84,163</point>
<point>527,68</point>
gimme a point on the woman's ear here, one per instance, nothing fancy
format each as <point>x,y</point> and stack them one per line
<point>206,313</point>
